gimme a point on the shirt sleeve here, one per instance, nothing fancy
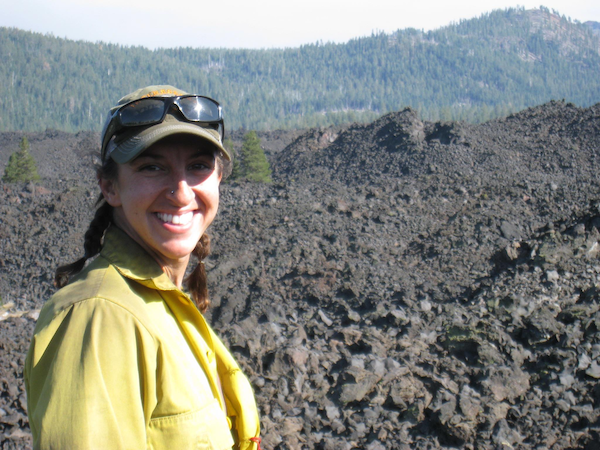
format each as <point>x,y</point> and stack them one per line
<point>90,378</point>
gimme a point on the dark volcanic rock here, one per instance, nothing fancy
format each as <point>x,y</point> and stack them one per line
<point>401,284</point>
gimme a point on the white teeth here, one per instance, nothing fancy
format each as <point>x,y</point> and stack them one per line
<point>182,219</point>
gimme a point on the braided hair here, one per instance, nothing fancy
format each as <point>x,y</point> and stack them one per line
<point>93,236</point>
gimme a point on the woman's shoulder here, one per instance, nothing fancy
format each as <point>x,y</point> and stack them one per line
<point>99,287</point>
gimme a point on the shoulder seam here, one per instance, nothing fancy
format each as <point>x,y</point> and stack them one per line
<point>111,302</point>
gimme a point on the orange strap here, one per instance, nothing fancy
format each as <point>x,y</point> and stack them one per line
<point>257,441</point>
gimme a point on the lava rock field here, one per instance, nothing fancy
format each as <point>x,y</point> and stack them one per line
<point>400,285</point>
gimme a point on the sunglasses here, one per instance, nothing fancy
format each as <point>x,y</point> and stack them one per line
<point>152,110</point>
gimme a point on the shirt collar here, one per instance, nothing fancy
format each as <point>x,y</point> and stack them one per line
<point>132,261</point>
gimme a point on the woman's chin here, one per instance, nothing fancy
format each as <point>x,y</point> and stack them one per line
<point>177,252</point>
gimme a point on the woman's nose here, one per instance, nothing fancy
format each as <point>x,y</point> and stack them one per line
<point>181,192</point>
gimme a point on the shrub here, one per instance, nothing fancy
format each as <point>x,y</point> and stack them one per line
<point>21,165</point>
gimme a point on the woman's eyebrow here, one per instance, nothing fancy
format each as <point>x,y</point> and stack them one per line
<point>203,153</point>
<point>150,155</point>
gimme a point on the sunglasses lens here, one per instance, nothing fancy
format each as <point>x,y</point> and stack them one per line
<point>142,112</point>
<point>199,109</point>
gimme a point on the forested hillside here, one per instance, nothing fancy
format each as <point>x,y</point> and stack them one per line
<point>498,63</point>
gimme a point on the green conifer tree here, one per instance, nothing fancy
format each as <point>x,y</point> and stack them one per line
<point>254,165</point>
<point>21,165</point>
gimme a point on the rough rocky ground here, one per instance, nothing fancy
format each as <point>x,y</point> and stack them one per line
<point>400,285</point>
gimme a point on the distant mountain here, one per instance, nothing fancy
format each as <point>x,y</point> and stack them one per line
<point>501,62</point>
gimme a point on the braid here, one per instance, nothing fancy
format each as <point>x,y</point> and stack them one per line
<point>196,281</point>
<point>92,243</point>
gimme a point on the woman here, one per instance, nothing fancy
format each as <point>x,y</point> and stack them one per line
<point>121,357</point>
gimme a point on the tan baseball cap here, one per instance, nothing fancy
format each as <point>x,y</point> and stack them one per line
<point>125,145</point>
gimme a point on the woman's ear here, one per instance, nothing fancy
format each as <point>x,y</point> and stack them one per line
<point>110,191</point>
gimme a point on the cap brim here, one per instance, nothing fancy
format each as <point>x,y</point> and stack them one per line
<point>130,147</point>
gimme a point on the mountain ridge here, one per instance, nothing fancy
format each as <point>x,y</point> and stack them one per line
<point>474,70</point>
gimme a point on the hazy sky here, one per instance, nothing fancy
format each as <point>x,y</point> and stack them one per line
<point>251,23</point>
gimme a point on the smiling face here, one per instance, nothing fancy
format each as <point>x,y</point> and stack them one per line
<point>166,198</point>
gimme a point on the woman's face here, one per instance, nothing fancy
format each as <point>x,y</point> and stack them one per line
<point>166,198</point>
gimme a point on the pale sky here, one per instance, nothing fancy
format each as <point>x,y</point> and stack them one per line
<point>252,23</point>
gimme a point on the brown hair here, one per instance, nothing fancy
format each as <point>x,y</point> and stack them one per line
<point>196,282</point>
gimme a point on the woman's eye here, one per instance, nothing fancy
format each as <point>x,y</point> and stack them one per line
<point>149,168</point>
<point>200,166</point>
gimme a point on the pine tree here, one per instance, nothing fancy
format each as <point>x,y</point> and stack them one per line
<point>254,165</point>
<point>21,165</point>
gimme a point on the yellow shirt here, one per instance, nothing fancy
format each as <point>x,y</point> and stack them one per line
<point>122,359</point>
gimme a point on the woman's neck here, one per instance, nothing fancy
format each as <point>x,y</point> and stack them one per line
<point>174,268</point>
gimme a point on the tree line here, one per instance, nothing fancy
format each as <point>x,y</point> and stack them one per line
<point>473,70</point>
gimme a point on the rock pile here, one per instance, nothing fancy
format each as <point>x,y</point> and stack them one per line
<point>400,285</point>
